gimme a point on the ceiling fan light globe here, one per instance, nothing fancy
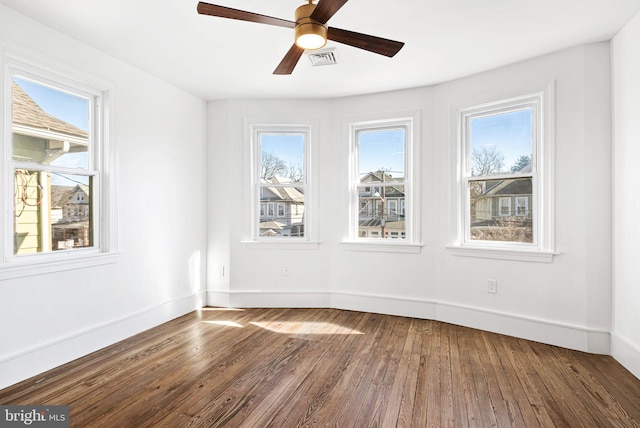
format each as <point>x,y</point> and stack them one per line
<point>311,41</point>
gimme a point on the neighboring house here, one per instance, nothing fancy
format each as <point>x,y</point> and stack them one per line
<point>502,206</point>
<point>502,198</point>
<point>70,211</point>
<point>381,208</point>
<point>41,138</point>
<point>281,208</point>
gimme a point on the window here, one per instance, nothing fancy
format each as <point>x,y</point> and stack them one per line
<point>504,187</point>
<point>504,207</point>
<point>280,182</point>
<point>383,175</point>
<point>53,164</point>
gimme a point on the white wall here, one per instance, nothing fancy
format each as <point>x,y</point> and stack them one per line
<point>626,252</point>
<point>567,302</point>
<point>46,320</point>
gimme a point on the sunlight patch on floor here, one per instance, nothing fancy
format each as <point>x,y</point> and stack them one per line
<point>311,327</point>
<point>210,309</point>
<point>224,323</point>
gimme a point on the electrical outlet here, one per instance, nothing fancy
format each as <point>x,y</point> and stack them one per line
<point>221,271</point>
<point>285,271</point>
<point>492,286</point>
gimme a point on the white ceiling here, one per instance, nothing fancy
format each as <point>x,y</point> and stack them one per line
<point>217,58</point>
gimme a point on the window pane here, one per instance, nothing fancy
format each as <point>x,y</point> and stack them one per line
<point>381,211</point>
<point>500,210</point>
<point>282,155</point>
<point>282,214</point>
<point>49,126</point>
<point>381,150</point>
<point>501,143</point>
<point>282,184</point>
<point>51,211</point>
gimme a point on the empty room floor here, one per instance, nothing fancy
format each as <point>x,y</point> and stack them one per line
<point>219,367</point>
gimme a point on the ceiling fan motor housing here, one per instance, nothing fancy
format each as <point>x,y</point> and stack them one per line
<point>309,34</point>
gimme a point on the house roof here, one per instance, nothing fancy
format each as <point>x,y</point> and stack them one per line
<point>285,193</point>
<point>28,113</point>
<point>509,187</point>
<point>379,176</point>
<point>60,195</point>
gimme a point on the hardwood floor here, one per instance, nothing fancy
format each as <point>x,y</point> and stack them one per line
<point>325,367</point>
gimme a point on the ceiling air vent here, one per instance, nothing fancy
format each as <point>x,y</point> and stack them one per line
<point>323,57</point>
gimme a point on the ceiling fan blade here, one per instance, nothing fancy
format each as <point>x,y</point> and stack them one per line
<point>373,44</point>
<point>289,61</point>
<point>227,12</point>
<point>326,9</point>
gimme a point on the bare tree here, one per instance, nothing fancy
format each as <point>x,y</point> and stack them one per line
<point>296,173</point>
<point>486,160</point>
<point>271,166</point>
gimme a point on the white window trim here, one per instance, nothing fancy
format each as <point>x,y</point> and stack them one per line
<point>412,241</point>
<point>309,241</point>
<point>543,248</point>
<point>106,250</point>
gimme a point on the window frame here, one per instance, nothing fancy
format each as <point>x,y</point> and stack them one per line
<point>256,130</point>
<point>411,243</point>
<point>101,168</point>
<point>542,249</point>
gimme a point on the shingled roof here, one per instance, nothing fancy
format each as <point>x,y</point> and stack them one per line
<point>27,113</point>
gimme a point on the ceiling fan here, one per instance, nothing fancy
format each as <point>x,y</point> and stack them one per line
<point>311,30</point>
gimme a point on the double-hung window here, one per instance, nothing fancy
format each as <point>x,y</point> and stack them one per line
<point>504,175</point>
<point>280,183</point>
<point>383,182</point>
<point>53,169</point>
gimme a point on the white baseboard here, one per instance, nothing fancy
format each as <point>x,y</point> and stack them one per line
<point>579,338</point>
<point>30,362</point>
<point>597,341</point>
<point>626,353</point>
<point>269,299</point>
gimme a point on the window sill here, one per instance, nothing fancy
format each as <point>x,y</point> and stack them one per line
<point>383,247</point>
<point>504,254</point>
<point>37,266</point>
<point>282,245</point>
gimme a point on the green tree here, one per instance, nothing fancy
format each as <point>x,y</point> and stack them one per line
<point>522,162</point>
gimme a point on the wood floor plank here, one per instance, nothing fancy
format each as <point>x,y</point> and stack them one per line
<point>354,360</point>
<point>447,404</point>
<point>407,402</point>
<point>326,367</point>
<point>459,382</point>
<point>530,401</point>
<point>309,379</point>
<point>507,412</point>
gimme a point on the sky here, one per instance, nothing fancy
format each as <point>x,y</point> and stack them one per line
<point>379,149</point>
<point>288,147</point>
<point>382,150</point>
<point>509,132</point>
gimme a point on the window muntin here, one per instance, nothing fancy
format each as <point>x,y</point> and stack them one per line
<point>382,181</point>
<point>500,173</point>
<point>52,163</point>
<point>281,183</point>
